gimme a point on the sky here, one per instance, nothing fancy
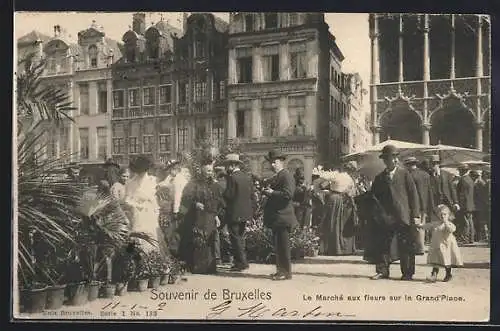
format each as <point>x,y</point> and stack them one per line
<point>350,31</point>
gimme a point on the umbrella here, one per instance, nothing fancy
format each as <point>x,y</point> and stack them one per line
<point>454,154</point>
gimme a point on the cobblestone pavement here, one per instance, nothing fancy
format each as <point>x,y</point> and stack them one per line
<point>322,288</point>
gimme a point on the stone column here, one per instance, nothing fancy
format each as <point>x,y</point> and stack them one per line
<point>284,121</point>
<point>310,119</point>
<point>284,62</point>
<point>376,135</point>
<point>256,118</point>
<point>231,119</point>
<point>426,140</point>
<point>233,73</point>
<point>479,135</point>
<point>375,75</point>
<point>452,69</point>
<point>427,58</point>
<point>401,64</point>
<point>257,75</point>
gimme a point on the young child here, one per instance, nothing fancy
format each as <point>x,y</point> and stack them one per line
<point>443,251</point>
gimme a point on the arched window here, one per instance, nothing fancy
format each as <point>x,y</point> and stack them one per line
<point>93,55</point>
<point>153,43</point>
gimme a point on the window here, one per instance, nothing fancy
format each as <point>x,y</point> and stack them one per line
<point>270,117</point>
<point>102,97</point>
<point>271,20</point>
<point>271,63</point>
<point>148,137</point>
<point>244,64</point>
<point>244,118</point>
<point>118,138</point>
<point>249,23</point>
<point>64,146</point>
<point>102,142</point>
<point>133,140</point>
<point>52,64</point>
<point>93,55</point>
<point>165,94</point>
<point>298,60</point>
<point>133,97</point>
<point>118,99</point>
<point>84,143</point>
<point>294,19</point>
<point>199,49</point>
<point>84,99</point>
<point>218,135</point>
<point>200,91</point>
<point>182,135</point>
<point>200,127</point>
<point>148,95</point>
<point>183,92</point>
<point>296,113</point>
<point>165,135</point>
<point>222,90</point>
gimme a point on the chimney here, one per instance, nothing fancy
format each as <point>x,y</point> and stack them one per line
<point>139,23</point>
<point>57,30</point>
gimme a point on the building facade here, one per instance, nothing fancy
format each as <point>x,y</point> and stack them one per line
<point>92,95</point>
<point>430,78</point>
<point>359,136</point>
<point>169,88</point>
<point>279,87</point>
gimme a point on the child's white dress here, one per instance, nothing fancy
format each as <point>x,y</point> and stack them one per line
<point>443,250</point>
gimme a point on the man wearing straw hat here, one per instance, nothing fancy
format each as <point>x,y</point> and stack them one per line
<point>239,208</point>
<point>279,214</point>
<point>395,191</point>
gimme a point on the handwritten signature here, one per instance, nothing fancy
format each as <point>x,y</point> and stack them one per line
<point>118,305</point>
<point>261,310</point>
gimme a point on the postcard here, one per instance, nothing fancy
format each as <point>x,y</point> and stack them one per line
<point>252,166</point>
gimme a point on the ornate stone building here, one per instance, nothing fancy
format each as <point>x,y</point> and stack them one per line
<point>169,88</point>
<point>279,86</point>
<point>430,78</point>
<point>359,135</point>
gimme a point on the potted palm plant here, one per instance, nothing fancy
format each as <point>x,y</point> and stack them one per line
<point>123,270</point>
<point>141,276</point>
<point>155,265</point>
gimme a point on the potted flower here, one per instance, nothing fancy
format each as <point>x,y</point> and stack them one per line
<point>141,276</point>
<point>166,268</point>
<point>155,265</point>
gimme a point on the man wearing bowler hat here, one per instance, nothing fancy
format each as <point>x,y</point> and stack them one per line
<point>279,214</point>
<point>423,184</point>
<point>395,190</point>
<point>239,208</point>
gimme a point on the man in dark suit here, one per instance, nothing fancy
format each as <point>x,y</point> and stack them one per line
<point>443,190</point>
<point>220,179</point>
<point>422,181</point>
<point>465,193</point>
<point>239,208</point>
<point>279,214</point>
<point>397,195</point>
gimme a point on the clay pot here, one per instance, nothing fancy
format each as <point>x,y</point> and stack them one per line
<point>34,300</point>
<point>55,296</point>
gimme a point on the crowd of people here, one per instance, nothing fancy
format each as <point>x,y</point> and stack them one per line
<point>406,206</point>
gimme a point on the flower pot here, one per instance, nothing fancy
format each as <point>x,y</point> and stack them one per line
<point>154,282</point>
<point>78,294</point>
<point>142,285</point>
<point>121,288</point>
<point>172,279</point>
<point>55,296</point>
<point>94,290</point>
<point>34,299</point>
<point>164,279</point>
<point>108,290</point>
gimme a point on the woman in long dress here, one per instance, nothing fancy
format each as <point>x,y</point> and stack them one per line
<point>140,197</point>
<point>340,220</point>
<point>201,206</point>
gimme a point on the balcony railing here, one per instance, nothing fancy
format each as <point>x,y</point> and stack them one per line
<point>148,111</point>
<point>200,108</point>
<point>119,113</point>
<point>182,109</point>
<point>135,112</point>
<point>165,109</point>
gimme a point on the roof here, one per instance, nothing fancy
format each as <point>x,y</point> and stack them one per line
<point>115,46</point>
<point>335,48</point>
<point>32,37</point>
<point>167,29</point>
